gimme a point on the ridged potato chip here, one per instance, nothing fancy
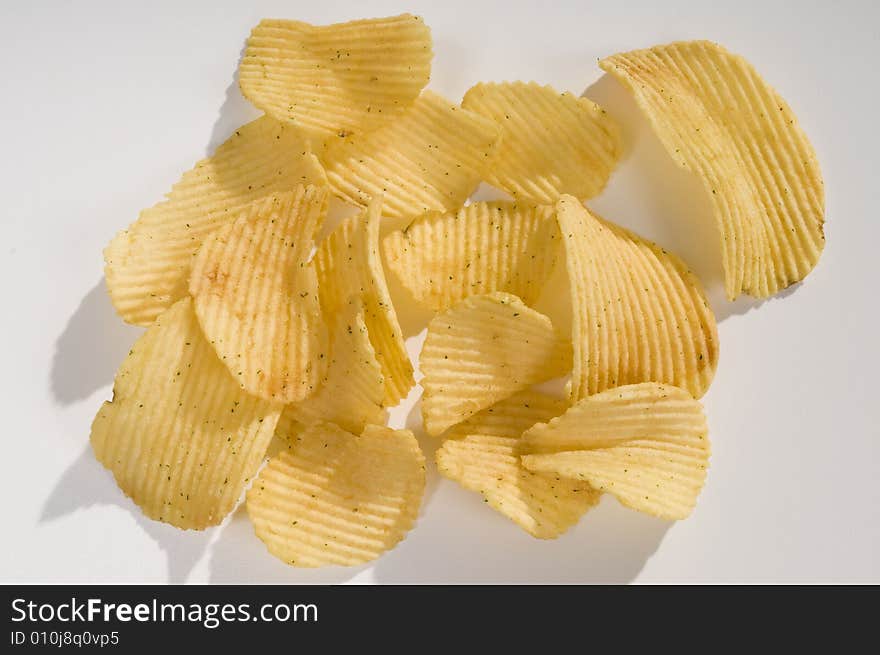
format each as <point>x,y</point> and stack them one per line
<point>335,80</point>
<point>442,258</point>
<point>551,143</point>
<point>335,498</point>
<point>353,388</point>
<point>286,431</point>
<point>639,314</point>
<point>180,436</point>
<point>483,350</point>
<point>720,120</point>
<point>147,266</point>
<point>348,264</point>
<point>431,158</point>
<point>257,298</point>
<point>647,444</point>
<point>483,455</point>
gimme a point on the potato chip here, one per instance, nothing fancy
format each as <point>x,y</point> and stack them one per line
<point>431,158</point>
<point>551,143</point>
<point>484,247</point>
<point>337,498</point>
<point>286,431</point>
<point>720,120</point>
<point>257,298</point>
<point>483,455</point>
<point>639,314</point>
<point>646,443</point>
<point>339,79</point>
<point>352,390</point>
<point>348,265</point>
<point>180,436</point>
<point>483,350</point>
<point>147,266</point>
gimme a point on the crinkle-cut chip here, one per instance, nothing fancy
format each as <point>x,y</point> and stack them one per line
<point>647,444</point>
<point>257,297</point>
<point>483,454</point>
<point>147,266</point>
<point>331,80</point>
<point>482,350</point>
<point>348,264</point>
<point>286,431</point>
<point>352,390</point>
<point>429,159</point>
<point>180,436</point>
<point>338,499</point>
<point>442,258</point>
<point>720,120</point>
<point>288,427</point>
<point>551,143</point>
<point>639,314</point>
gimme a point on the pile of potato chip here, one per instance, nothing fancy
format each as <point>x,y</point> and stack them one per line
<point>257,330</point>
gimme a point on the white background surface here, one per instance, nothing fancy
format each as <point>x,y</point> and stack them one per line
<point>105,104</point>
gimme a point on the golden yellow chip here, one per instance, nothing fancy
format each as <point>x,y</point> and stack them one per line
<point>431,158</point>
<point>337,498</point>
<point>720,120</point>
<point>639,314</point>
<point>483,455</point>
<point>287,428</point>
<point>646,443</point>
<point>352,390</point>
<point>483,350</point>
<point>339,79</point>
<point>551,143</point>
<point>484,247</point>
<point>348,264</point>
<point>147,266</point>
<point>257,298</point>
<point>180,436</point>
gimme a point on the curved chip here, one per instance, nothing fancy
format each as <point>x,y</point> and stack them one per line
<point>483,455</point>
<point>551,143</point>
<point>639,314</point>
<point>147,266</point>
<point>720,120</point>
<point>646,443</point>
<point>431,158</point>
<point>483,350</point>
<point>336,498</point>
<point>257,298</point>
<point>337,79</point>
<point>180,436</point>
<point>484,247</point>
<point>348,265</point>
<point>352,390</point>
<point>286,431</point>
